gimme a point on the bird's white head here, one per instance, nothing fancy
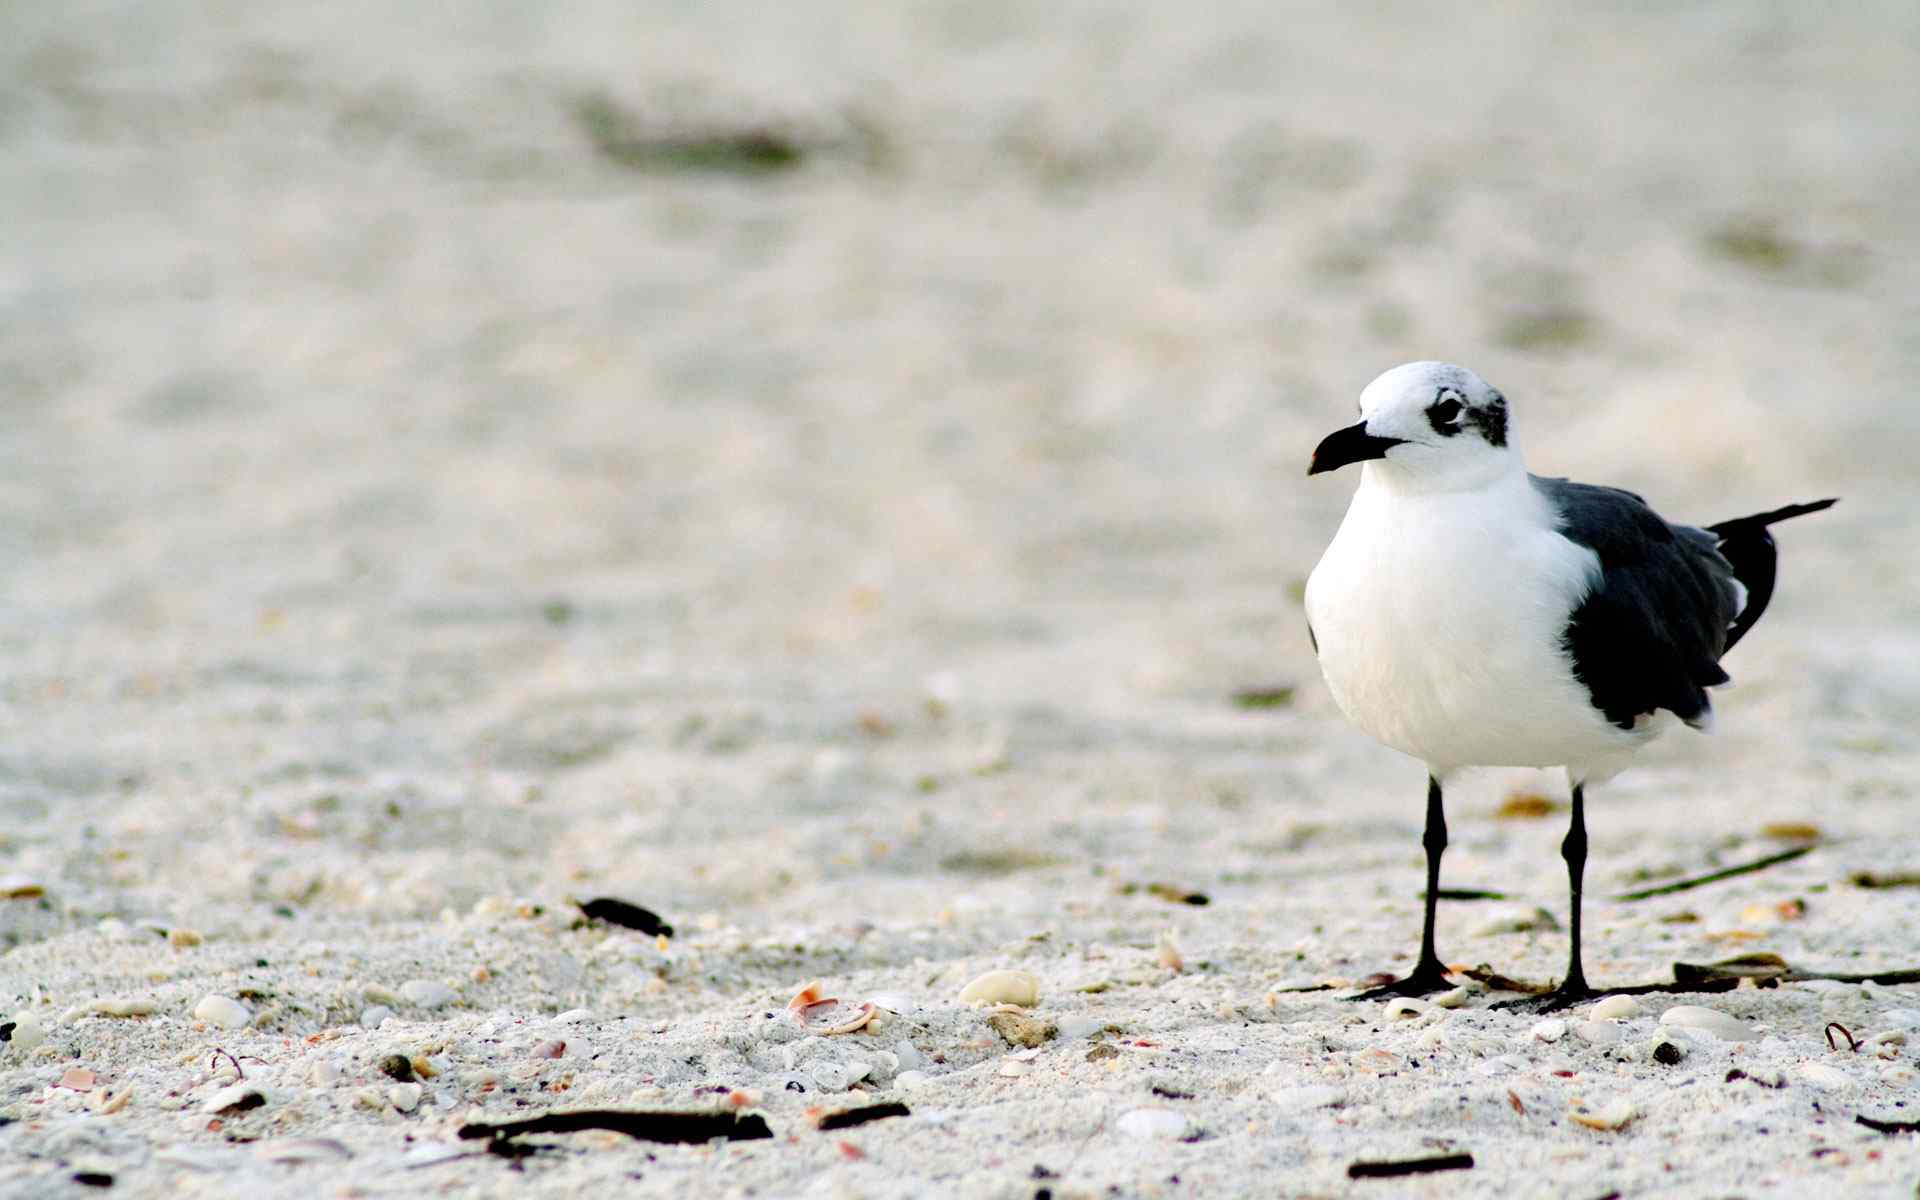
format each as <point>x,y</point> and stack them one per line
<point>1426,426</point>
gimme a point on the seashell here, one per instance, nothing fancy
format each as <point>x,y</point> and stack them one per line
<point>1003,986</point>
<point>28,1032</point>
<point>1405,1007</point>
<point>1709,1020</point>
<point>106,1101</point>
<point>78,1079</point>
<point>1614,1008</point>
<point>1550,1030</point>
<point>895,1002</point>
<point>1455,997</point>
<point>405,1096</point>
<point>1614,1114</point>
<point>235,1099</point>
<point>827,1015</point>
<point>223,1011</point>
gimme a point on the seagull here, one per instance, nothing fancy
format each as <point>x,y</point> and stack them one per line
<point>1470,614</point>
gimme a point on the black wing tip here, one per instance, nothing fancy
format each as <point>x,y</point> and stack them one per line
<point>1762,520</point>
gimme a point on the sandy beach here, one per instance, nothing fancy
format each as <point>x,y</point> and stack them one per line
<point>836,478</point>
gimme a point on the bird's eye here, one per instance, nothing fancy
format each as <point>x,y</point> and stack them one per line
<point>1445,410</point>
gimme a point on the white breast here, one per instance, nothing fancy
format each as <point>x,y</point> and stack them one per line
<point>1439,618</point>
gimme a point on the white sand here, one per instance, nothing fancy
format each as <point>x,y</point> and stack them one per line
<point>414,519</point>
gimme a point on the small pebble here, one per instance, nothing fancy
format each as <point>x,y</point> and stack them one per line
<point>1668,1053</point>
<point>1020,988</point>
<point>909,1080</point>
<point>1614,1008</point>
<point>1404,1007</point>
<point>1022,1031</point>
<point>372,1015</point>
<point>398,1067</point>
<point>1709,1020</point>
<point>1550,1030</point>
<point>1152,1123</point>
<point>180,938</point>
<point>223,1011</point>
<point>426,993</point>
<point>553,1048</point>
<point>1455,997</point>
<point>405,1096</point>
<point>1612,1115</point>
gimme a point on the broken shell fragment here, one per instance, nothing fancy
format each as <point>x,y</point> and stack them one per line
<point>827,1015</point>
<point>1021,988</point>
<point>1610,1116</point>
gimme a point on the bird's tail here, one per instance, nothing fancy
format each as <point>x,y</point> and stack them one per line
<point>1745,543</point>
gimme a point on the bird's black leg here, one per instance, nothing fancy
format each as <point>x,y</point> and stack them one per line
<point>1573,989</point>
<point>1429,974</point>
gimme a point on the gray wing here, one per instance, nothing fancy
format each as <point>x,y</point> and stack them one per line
<point>1651,633</point>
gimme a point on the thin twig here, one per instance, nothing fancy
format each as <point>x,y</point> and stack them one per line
<point>1889,1126</point>
<point>647,1126</point>
<point>847,1118</point>
<point>1853,1043</point>
<point>1409,1166</point>
<point>1759,864</point>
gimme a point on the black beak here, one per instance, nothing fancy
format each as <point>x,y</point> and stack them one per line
<point>1350,445</point>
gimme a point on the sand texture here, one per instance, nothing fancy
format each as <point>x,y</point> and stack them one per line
<point>834,475</point>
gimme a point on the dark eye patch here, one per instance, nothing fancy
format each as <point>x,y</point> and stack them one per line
<point>1444,413</point>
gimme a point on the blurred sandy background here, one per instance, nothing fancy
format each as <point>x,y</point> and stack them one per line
<point>824,471</point>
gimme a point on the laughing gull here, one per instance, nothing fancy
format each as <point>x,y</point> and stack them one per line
<point>1473,615</point>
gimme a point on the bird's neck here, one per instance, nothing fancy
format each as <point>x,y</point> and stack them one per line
<point>1481,473</point>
